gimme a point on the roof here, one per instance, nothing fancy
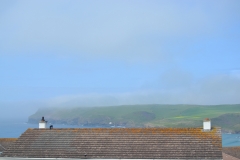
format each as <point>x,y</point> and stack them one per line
<point>228,157</point>
<point>232,151</point>
<point>6,142</point>
<point>118,143</point>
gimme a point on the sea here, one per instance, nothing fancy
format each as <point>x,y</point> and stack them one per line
<point>15,127</point>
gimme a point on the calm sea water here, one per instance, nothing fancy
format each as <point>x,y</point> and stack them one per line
<point>14,128</point>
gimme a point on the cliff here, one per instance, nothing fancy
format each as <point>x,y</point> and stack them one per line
<point>154,115</point>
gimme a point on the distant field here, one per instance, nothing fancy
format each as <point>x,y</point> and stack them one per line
<point>154,115</point>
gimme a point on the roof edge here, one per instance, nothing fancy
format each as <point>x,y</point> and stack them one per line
<point>18,158</point>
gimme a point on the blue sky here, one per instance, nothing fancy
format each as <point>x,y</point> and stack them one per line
<point>94,53</point>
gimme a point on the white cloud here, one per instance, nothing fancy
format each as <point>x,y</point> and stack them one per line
<point>106,28</point>
<point>235,73</point>
<point>219,89</point>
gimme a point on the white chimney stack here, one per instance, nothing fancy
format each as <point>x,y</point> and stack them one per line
<point>206,124</point>
<point>43,123</point>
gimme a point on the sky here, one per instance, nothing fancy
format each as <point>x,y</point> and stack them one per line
<point>102,53</point>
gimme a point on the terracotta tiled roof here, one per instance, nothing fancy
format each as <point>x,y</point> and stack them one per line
<point>116,143</point>
<point>232,151</point>
<point>6,142</point>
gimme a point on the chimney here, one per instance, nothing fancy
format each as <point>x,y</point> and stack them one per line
<point>206,124</point>
<point>43,123</point>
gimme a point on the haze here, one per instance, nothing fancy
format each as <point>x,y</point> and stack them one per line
<point>97,53</point>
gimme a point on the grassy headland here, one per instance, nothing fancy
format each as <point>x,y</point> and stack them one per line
<point>153,115</point>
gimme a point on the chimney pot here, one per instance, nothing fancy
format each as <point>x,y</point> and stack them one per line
<point>43,123</point>
<point>206,124</point>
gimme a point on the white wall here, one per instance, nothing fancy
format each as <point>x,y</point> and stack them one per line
<point>42,125</point>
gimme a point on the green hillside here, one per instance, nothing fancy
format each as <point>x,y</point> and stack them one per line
<point>154,115</point>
